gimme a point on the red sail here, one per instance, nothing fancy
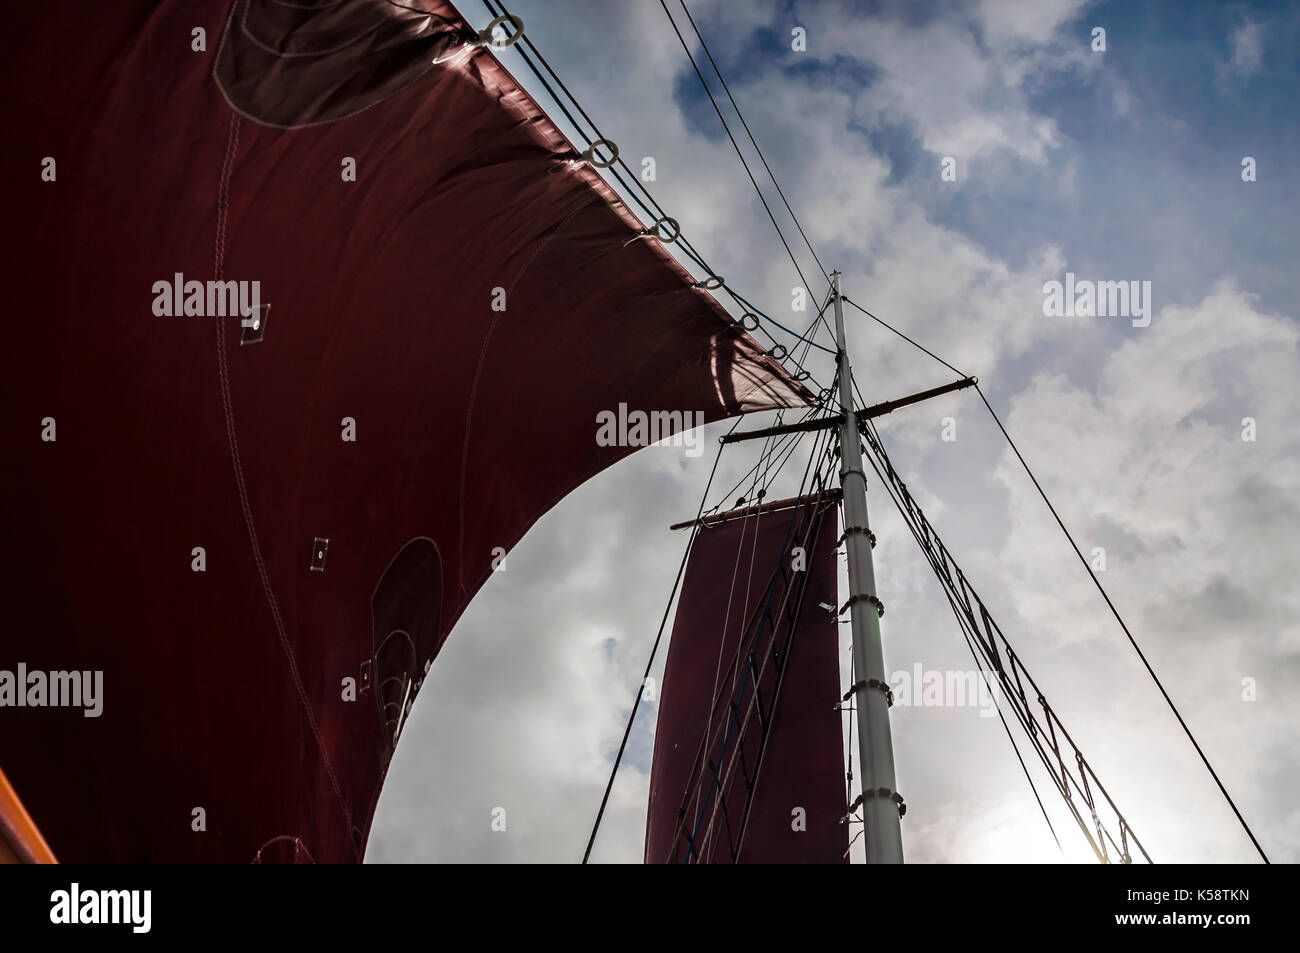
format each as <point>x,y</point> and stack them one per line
<point>717,740</point>
<point>240,527</point>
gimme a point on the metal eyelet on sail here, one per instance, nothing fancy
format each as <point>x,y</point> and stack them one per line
<point>666,237</point>
<point>711,283</point>
<point>487,36</point>
<point>589,154</point>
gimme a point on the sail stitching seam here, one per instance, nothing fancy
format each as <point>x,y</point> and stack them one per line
<point>478,373</point>
<point>223,211</point>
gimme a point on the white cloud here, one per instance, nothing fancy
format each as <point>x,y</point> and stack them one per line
<point>1203,536</point>
<point>1247,48</point>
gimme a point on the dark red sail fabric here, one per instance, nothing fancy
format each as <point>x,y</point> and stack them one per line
<point>733,630</point>
<point>236,524</point>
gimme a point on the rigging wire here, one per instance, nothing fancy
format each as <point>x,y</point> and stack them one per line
<point>654,649</point>
<point>734,144</point>
<point>1095,581</point>
<point>1132,641</point>
<point>969,646</point>
<point>914,344</point>
<point>757,148</point>
<point>789,441</point>
<point>1023,715</point>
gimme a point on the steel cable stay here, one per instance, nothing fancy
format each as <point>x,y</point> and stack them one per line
<point>1011,673</point>
<point>1114,611</point>
<point>966,635</point>
<point>653,210</point>
<point>735,145</point>
<point>943,565</point>
<point>1132,641</point>
<point>757,148</point>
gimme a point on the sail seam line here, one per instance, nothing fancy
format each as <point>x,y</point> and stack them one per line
<point>232,440</point>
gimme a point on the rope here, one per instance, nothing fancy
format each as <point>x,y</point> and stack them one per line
<point>890,327</point>
<point>734,144</point>
<point>757,148</point>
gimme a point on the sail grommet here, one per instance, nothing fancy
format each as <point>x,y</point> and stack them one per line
<point>487,36</point>
<point>745,318</point>
<point>654,231</point>
<point>778,352</point>
<point>589,154</point>
<point>666,237</point>
<point>803,376</point>
<point>711,283</point>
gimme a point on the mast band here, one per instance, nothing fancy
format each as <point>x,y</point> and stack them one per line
<point>880,606</point>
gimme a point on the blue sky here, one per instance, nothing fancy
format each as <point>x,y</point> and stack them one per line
<point>1122,165</point>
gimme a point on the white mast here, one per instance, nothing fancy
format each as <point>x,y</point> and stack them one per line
<point>880,803</point>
